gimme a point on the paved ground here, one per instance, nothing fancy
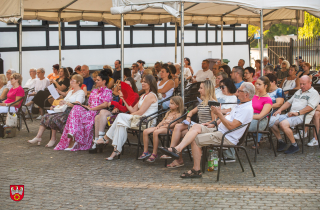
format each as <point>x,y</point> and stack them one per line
<point>79,180</point>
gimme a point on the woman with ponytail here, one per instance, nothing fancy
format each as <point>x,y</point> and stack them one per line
<point>78,131</point>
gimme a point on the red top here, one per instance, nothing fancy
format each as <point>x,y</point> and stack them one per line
<point>119,105</point>
<point>82,86</point>
<point>13,93</point>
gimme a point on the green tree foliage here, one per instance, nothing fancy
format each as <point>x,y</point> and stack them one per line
<point>311,27</point>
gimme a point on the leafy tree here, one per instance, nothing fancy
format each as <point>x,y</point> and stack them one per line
<point>311,27</point>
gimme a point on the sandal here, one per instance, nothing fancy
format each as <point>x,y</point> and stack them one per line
<point>144,155</point>
<point>105,141</point>
<point>174,154</point>
<point>174,165</point>
<point>152,158</point>
<point>165,157</point>
<point>193,174</point>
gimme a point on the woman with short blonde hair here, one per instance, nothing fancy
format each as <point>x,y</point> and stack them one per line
<point>18,77</point>
<point>284,72</point>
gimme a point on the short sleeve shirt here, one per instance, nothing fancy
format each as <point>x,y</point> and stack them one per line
<point>13,93</point>
<point>88,82</point>
<point>244,114</point>
<point>227,99</point>
<point>278,93</point>
<point>65,82</point>
<point>302,99</point>
<point>203,75</point>
<point>259,102</point>
<point>282,74</point>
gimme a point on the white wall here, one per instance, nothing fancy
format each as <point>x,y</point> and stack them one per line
<point>45,59</point>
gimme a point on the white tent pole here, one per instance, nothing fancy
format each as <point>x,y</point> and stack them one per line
<point>182,51</point>
<point>122,46</point>
<point>298,48</point>
<point>261,38</point>
<point>20,47</point>
<point>221,39</point>
<point>176,42</point>
<point>59,26</point>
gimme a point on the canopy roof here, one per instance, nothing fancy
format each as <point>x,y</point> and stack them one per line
<point>157,12</point>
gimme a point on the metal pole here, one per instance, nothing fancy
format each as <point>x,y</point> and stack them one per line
<point>221,39</point>
<point>298,47</point>
<point>59,25</point>
<point>261,38</point>
<point>176,42</point>
<point>182,51</point>
<point>122,46</point>
<point>20,47</point>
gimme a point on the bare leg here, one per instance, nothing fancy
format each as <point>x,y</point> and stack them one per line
<point>102,124</point>
<point>156,138</point>
<point>41,111</point>
<point>196,153</point>
<point>275,130</point>
<point>177,133</point>
<point>53,139</point>
<point>40,132</point>
<point>146,133</point>
<point>285,126</point>
<point>30,103</point>
<point>189,137</point>
<point>96,125</point>
<point>315,121</point>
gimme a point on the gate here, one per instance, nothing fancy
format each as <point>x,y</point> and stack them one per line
<point>309,50</point>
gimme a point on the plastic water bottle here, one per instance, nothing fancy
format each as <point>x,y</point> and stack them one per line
<point>215,160</point>
<point>211,161</point>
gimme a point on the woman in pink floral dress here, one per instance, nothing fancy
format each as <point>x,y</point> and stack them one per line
<point>78,131</point>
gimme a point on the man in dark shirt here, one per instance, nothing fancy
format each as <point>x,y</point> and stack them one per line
<point>117,71</point>
<point>87,80</point>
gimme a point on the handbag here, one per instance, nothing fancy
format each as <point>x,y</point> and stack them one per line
<point>60,108</point>
<point>11,120</point>
<point>136,120</point>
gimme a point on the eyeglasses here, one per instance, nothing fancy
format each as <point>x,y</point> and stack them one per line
<point>240,91</point>
<point>222,86</point>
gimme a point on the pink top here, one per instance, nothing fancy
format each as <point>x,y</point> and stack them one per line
<point>99,96</point>
<point>13,93</point>
<point>259,102</point>
<point>257,75</point>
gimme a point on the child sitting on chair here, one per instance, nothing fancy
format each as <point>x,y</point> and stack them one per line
<point>176,110</point>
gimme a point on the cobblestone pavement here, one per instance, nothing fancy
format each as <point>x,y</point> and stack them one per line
<point>79,180</point>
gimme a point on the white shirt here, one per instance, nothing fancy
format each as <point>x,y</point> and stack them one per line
<point>137,76</point>
<point>244,114</point>
<point>302,99</point>
<point>9,86</point>
<point>186,73</point>
<point>203,75</point>
<point>30,83</point>
<point>77,96</point>
<point>41,84</point>
<point>227,99</point>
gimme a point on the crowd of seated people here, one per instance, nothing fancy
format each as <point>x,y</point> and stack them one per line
<point>98,109</point>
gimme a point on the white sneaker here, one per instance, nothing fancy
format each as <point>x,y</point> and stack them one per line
<point>313,142</point>
<point>39,118</point>
<point>296,136</point>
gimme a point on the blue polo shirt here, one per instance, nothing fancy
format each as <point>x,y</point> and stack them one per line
<point>88,82</point>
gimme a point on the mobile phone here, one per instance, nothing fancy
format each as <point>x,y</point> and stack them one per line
<point>214,103</point>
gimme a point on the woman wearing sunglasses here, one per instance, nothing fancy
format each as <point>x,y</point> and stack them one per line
<point>228,90</point>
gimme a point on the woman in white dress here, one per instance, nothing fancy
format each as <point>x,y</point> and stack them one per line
<point>147,105</point>
<point>166,85</point>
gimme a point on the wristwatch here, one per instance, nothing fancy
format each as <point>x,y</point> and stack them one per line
<point>298,112</point>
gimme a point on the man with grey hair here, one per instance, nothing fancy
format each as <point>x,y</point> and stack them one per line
<point>8,75</point>
<point>241,63</point>
<point>266,61</point>
<point>268,70</point>
<point>204,135</point>
<point>32,81</point>
<point>303,101</point>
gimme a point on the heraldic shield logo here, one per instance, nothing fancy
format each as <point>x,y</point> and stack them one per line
<point>16,192</point>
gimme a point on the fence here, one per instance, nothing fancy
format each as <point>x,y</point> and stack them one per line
<point>309,49</point>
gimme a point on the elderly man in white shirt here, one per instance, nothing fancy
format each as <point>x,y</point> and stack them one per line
<point>40,84</point>
<point>8,75</point>
<point>203,74</point>
<point>303,101</point>
<point>32,81</point>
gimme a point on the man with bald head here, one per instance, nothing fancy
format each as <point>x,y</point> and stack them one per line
<point>87,80</point>
<point>303,101</point>
<point>241,63</point>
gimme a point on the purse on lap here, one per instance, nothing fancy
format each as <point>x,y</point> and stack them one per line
<point>60,108</point>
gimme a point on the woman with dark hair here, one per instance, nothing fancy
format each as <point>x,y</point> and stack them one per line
<point>187,64</point>
<point>147,105</point>
<point>226,69</point>
<point>221,76</point>
<point>141,64</point>
<point>62,84</point>
<point>166,85</point>
<point>55,74</point>
<point>175,78</point>
<point>78,132</point>
<point>262,104</point>
<point>228,90</point>
<point>248,74</point>
<point>257,64</point>
<point>70,70</point>
<point>111,80</point>
<point>129,99</point>
<point>275,93</point>
<point>291,81</point>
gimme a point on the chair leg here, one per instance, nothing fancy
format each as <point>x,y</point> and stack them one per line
<point>271,144</point>
<point>256,149</point>
<point>219,163</point>
<point>29,114</point>
<point>224,161</point>
<point>301,138</point>
<point>189,152</point>
<point>239,160</point>
<point>138,146</point>
<point>24,119</point>
<point>203,159</point>
<point>254,175</point>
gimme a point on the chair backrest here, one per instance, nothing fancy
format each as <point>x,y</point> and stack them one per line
<point>244,135</point>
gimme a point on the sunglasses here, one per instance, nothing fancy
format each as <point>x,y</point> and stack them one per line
<point>222,86</point>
